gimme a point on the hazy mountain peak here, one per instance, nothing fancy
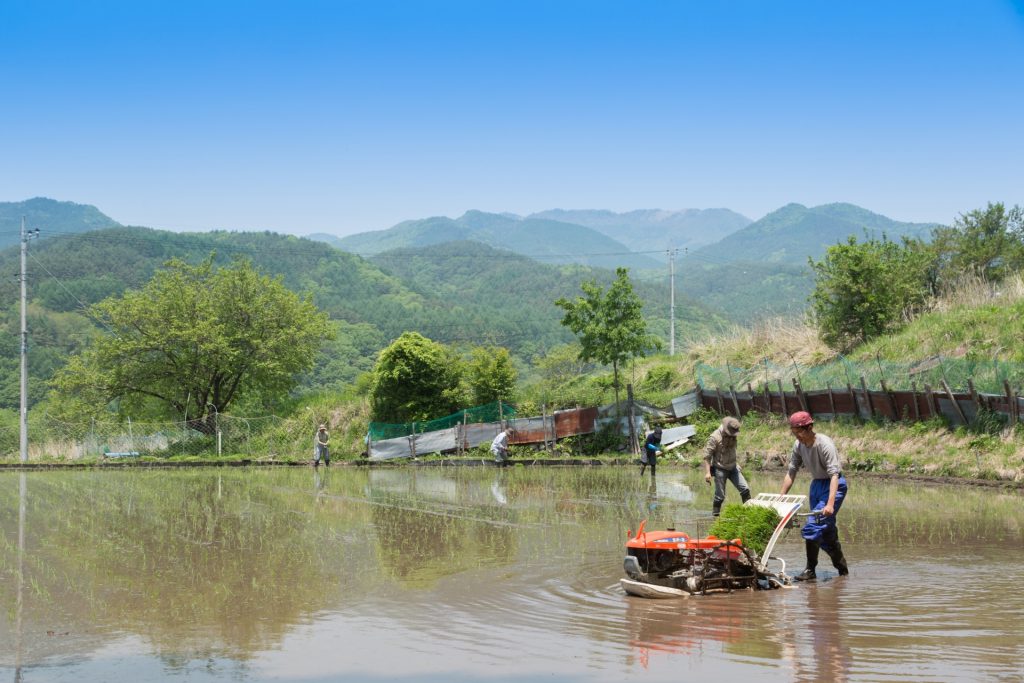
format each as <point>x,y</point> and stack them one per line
<point>51,217</point>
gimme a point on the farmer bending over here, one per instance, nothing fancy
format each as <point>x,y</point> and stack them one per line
<point>720,463</point>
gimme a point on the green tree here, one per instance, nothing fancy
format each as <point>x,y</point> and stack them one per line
<point>863,290</point>
<point>987,242</point>
<point>415,379</point>
<point>609,324</point>
<point>491,375</point>
<point>195,339</point>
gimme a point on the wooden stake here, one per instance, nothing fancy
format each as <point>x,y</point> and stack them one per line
<point>721,403</point>
<point>892,402</point>
<point>831,401</point>
<point>633,444</point>
<point>735,400</point>
<point>974,396</point>
<point>800,395</point>
<point>956,406</point>
<point>917,408</point>
<point>867,397</point>
<point>782,394</point>
<point>1011,403</point>
<point>931,401</point>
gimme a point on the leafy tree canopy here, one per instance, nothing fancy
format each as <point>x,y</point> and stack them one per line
<point>416,379</point>
<point>491,375</point>
<point>609,324</point>
<point>864,289</point>
<point>192,341</point>
<point>987,242</point>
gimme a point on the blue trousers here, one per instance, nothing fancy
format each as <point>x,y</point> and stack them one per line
<point>819,528</point>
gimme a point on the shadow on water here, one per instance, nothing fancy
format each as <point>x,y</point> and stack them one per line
<point>455,574</point>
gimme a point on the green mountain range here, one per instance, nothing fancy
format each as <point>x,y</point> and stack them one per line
<point>463,294</point>
<point>542,239</point>
<point>762,270</point>
<point>793,233</point>
<point>444,278</point>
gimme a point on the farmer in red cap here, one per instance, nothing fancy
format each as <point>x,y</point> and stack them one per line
<point>818,454</point>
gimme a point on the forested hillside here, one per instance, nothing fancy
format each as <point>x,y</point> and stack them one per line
<point>793,233</point>
<point>762,270</point>
<point>482,281</point>
<point>466,293</point>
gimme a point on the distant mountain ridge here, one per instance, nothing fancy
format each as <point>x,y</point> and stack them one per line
<point>51,217</point>
<point>543,239</point>
<point>656,229</point>
<point>795,232</point>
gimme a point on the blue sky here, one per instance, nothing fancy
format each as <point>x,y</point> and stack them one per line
<point>341,117</point>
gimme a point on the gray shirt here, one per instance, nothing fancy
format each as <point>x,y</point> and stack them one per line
<point>720,450</point>
<point>821,459</point>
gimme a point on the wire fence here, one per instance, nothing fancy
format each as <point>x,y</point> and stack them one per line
<point>257,438</point>
<point>958,373</point>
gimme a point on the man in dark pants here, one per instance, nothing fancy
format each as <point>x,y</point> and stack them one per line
<point>720,463</point>
<point>818,454</point>
<point>652,449</point>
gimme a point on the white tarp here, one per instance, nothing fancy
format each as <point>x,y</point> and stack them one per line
<point>682,434</point>
<point>685,405</point>
<point>481,432</point>
<point>402,447</point>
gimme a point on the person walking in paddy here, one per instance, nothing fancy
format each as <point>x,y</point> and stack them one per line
<point>320,448</point>
<point>720,463</point>
<point>499,447</point>
<point>819,455</point>
<point>652,449</point>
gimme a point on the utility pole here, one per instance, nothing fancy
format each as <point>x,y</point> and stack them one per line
<point>672,302</point>
<point>25,237</point>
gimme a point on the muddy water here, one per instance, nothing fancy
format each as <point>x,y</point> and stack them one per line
<point>479,574</point>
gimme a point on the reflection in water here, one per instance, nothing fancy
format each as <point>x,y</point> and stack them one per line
<point>830,657</point>
<point>20,600</point>
<point>271,574</point>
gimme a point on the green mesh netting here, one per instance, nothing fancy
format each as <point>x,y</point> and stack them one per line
<point>491,412</point>
<point>988,375</point>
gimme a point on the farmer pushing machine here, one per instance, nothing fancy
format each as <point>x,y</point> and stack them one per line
<point>736,552</point>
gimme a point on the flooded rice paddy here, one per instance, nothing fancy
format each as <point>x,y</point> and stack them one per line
<point>459,574</point>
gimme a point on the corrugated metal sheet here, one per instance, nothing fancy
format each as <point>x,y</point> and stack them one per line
<point>574,422</point>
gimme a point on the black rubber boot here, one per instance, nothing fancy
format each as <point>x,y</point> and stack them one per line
<point>835,551</point>
<point>809,574</point>
<point>745,495</point>
<point>838,559</point>
<point>716,508</point>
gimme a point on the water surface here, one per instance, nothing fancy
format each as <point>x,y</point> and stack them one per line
<point>479,574</point>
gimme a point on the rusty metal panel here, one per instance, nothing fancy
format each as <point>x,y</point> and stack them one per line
<point>846,403</point>
<point>573,422</point>
<point>529,430</point>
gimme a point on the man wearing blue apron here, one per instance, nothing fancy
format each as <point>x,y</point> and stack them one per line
<point>818,454</point>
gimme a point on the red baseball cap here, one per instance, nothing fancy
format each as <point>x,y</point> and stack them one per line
<point>800,419</point>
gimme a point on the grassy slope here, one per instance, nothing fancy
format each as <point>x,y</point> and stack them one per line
<point>974,321</point>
